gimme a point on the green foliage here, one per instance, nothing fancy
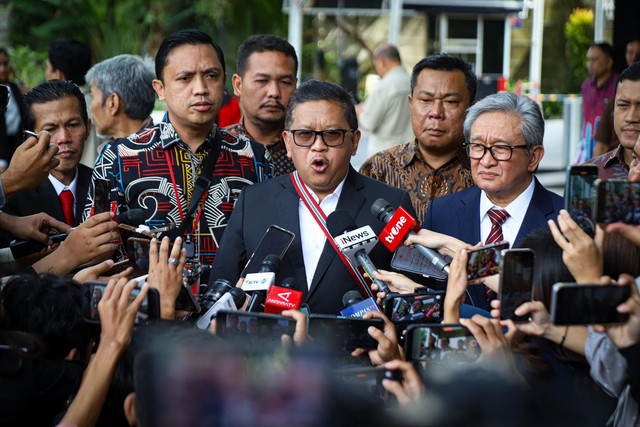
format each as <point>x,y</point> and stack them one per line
<point>579,30</point>
<point>28,65</point>
<point>552,109</point>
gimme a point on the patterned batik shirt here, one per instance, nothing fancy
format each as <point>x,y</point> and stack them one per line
<point>403,167</point>
<point>155,171</point>
<point>282,165</point>
<point>611,165</point>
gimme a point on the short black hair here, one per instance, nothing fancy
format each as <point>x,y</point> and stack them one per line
<point>606,48</point>
<point>180,38</point>
<point>50,308</point>
<point>264,43</point>
<point>632,72</point>
<point>446,62</point>
<point>71,57</point>
<point>51,91</point>
<point>318,90</point>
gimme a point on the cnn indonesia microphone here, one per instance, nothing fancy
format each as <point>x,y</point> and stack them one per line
<point>283,297</point>
<point>399,225</point>
<point>355,243</point>
<point>259,283</point>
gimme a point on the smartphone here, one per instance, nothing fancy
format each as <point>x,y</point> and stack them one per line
<point>617,200</point>
<point>186,300</point>
<point>253,326</point>
<point>347,333</point>
<point>276,240</point>
<point>377,373</point>
<point>138,252</point>
<point>101,199</point>
<point>410,260</point>
<point>516,282</point>
<point>406,308</point>
<point>577,304</point>
<point>579,196</point>
<point>485,260</point>
<point>440,344</point>
<point>92,292</point>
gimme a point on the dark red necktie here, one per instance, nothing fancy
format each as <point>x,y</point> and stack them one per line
<point>66,200</point>
<point>497,217</point>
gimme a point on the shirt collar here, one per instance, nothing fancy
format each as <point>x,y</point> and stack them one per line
<point>411,152</point>
<point>333,196</point>
<point>60,187</point>
<point>516,209</point>
<point>616,156</point>
<point>169,136</point>
<point>242,128</point>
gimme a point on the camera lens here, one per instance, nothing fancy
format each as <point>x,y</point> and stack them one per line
<point>213,293</point>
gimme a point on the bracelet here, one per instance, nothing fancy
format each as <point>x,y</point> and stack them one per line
<point>564,337</point>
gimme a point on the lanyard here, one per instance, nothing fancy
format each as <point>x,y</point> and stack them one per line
<point>321,219</point>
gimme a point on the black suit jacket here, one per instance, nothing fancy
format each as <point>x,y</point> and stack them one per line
<point>276,202</point>
<point>458,215</point>
<point>43,198</point>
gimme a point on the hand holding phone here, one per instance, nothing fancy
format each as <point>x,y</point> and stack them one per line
<point>485,260</point>
<point>580,304</point>
<point>94,291</point>
<point>516,282</point>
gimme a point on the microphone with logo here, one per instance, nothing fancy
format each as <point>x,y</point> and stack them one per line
<point>356,306</point>
<point>399,225</point>
<point>221,295</point>
<point>283,297</point>
<point>355,243</point>
<point>259,283</point>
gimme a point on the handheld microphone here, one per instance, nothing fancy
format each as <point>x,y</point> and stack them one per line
<point>355,243</point>
<point>133,217</point>
<point>283,297</point>
<point>229,300</point>
<point>259,283</point>
<point>356,306</point>
<point>399,225</point>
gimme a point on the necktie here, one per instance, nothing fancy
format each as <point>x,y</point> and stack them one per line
<point>497,217</point>
<point>66,200</point>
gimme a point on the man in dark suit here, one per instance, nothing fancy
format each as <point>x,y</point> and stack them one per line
<point>503,134</point>
<point>321,134</point>
<point>59,108</point>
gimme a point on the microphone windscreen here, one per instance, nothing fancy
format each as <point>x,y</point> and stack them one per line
<point>339,222</point>
<point>381,210</point>
<point>350,298</point>
<point>289,283</point>
<point>132,217</point>
<point>270,263</point>
<point>239,296</point>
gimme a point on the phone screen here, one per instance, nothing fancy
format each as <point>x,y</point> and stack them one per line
<point>575,304</point>
<point>101,199</point>
<point>441,344</point>
<point>579,195</point>
<point>415,307</point>
<point>253,326</point>
<point>618,201</point>
<point>485,260</point>
<point>347,333</point>
<point>92,293</point>
<point>410,260</point>
<point>516,281</point>
<point>276,241</point>
<point>138,253</point>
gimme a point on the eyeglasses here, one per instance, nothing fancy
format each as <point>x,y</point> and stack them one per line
<point>499,152</point>
<point>306,137</point>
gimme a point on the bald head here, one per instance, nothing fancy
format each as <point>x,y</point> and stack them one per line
<point>386,57</point>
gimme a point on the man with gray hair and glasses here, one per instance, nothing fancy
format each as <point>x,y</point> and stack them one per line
<point>122,95</point>
<point>503,138</point>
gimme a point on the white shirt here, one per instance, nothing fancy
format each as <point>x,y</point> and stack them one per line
<point>312,237</point>
<point>517,209</point>
<point>60,187</point>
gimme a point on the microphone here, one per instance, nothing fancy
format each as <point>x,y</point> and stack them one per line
<point>133,217</point>
<point>229,299</point>
<point>356,306</point>
<point>355,243</point>
<point>399,225</point>
<point>259,283</point>
<point>283,297</point>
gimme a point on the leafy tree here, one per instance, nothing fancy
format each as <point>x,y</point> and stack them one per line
<point>579,30</point>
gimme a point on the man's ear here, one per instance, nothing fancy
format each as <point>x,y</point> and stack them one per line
<point>130,409</point>
<point>537,153</point>
<point>113,104</point>
<point>158,86</point>
<point>286,136</point>
<point>236,82</point>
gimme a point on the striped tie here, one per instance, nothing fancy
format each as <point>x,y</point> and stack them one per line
<point>497,217</point>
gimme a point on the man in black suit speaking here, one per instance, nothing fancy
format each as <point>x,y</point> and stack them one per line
<point>58,107</point>
<point>321,134</point>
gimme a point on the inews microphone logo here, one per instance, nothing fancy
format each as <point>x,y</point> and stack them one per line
<point>350,238</point>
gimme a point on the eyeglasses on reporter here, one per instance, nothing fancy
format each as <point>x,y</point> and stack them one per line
<point>307,137</point>
<point>500,153</point>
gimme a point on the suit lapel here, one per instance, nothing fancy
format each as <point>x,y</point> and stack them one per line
<point>287,207</point>
<point>82,187</point>
<point>469,218</point>
<point>48,200</point>
<point>351,201</point>
<point>539,210</point>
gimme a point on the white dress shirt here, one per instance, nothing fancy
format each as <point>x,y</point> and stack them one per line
<point>60,187</point>
<point>312,237</point>
<point>517,209</point>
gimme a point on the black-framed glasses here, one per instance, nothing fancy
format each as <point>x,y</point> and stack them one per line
<point>331,137</point>
<point>499,152</point>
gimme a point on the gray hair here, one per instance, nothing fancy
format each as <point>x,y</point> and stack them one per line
<point>131,78</point>
<point>531,120</point>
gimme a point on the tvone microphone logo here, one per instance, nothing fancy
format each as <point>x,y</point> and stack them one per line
<point>396,229</point>
<point>285,296</point>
